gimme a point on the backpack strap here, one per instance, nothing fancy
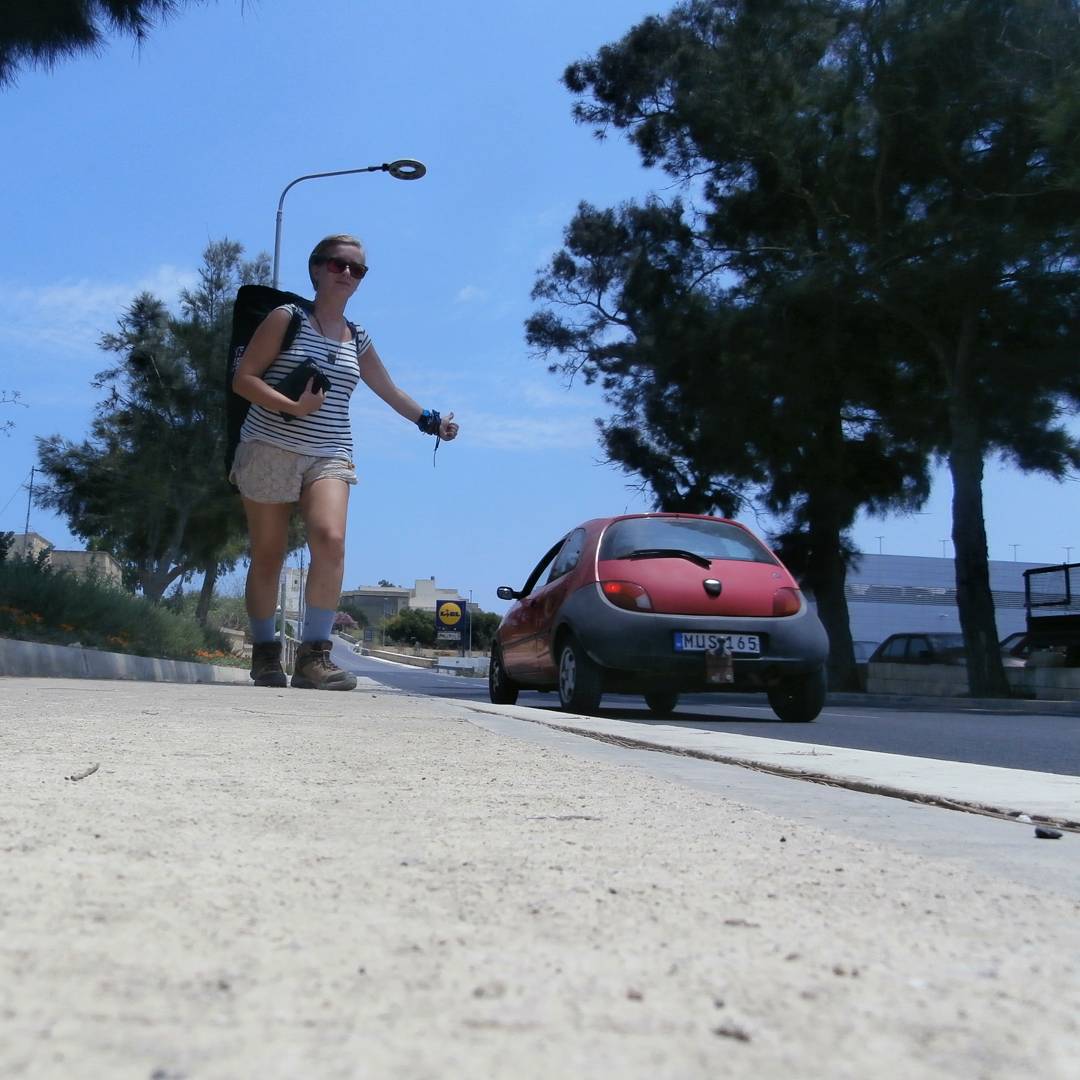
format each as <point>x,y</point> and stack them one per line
<point>295,322</point>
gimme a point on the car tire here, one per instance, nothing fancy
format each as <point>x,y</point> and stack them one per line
<point>662,702</point>
<point>501,688</point>
<point>580,679</point>
<point>799,698</point>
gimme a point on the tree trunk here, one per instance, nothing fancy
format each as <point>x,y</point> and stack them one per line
<point>825,576</point>
<point>986,675</point>
<point>156,577</point>
<point>163,571</point>
<point>827,517</point>
<point>202,609</point>
<point>833,612</point>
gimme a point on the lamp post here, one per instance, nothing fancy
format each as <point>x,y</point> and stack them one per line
<point>403,169</point>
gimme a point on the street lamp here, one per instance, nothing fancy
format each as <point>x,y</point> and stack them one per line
<point>402,169</point>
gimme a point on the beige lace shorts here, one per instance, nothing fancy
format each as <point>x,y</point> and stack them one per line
<point>268,474</point>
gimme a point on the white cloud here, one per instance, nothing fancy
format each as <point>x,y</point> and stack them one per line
<point>556,395</point>
<point>528,433</point>
<point>69,317</point>
<point>470,294</point>
<point>512,431</point>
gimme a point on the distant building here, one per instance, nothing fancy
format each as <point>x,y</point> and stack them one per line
<point>80,563</point>
<point>889,594</point>
<point>29,545</point>
<point>295,583</point>
<point>99,564</point>
<point>380,603</point>
<point>426,596</point>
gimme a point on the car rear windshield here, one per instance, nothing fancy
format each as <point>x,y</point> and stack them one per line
<point>710,539</point>
<point>942,642</point>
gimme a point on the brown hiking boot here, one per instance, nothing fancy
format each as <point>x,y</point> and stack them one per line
<point>314,670</point>
<point>266,669</point>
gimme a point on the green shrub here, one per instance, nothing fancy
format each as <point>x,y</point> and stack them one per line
<point>411,626</point>
<point>60,608</point>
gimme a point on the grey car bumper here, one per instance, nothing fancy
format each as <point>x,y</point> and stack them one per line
<point>639,647</point>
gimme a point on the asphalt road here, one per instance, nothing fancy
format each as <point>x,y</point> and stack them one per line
<point>1014,741</point>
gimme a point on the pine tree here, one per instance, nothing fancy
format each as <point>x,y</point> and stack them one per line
<point>42,32</point>
<point>148,485</point>
<point>876,264</point>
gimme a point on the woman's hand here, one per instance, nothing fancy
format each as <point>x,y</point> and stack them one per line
<point>448,429</point>
<point>310,401</point>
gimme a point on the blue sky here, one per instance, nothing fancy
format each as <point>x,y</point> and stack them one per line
<point>121,167</point>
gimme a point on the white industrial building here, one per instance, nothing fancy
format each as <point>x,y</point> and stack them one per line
<point>889,594</point>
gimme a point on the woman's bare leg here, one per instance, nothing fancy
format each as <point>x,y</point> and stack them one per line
<point>268,530</point>
<point>324,506</point>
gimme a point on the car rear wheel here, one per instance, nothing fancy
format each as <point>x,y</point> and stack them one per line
<point>799,698</point>
<point>501,688</point>
<point>580,681</point>
<point>661,702</point>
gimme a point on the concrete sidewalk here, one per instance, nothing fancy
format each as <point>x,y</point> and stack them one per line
<point>282,884</point>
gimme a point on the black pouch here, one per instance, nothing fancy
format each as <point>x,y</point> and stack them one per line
<point>294,384</point>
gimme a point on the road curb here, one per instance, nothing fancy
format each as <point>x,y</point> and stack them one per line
<point>991,791</point>
<point>33,659</point>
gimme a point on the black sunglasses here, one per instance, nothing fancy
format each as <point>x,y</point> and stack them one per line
<point>339,266</point>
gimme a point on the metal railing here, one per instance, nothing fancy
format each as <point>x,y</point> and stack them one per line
<point>1052,587</point>
<point>1053,609</point>
<point>288,653</point>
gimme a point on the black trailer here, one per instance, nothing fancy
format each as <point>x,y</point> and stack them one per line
<point>1052,600</point>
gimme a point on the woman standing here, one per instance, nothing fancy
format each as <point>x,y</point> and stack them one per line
<point>301,452</point>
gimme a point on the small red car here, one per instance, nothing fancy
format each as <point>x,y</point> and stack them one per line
<point>660,604</point>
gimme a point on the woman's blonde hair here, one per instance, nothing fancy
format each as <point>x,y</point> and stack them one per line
<point>328,243</point>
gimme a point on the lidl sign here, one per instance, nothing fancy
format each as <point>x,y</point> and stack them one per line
<point>451,620</point>
<point>449,614</point>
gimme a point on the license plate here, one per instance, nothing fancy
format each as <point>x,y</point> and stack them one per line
<point>736,644</point>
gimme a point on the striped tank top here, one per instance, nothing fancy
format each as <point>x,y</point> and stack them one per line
<point>325,432</point>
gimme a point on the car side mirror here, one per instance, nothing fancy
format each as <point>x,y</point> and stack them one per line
<point>504,592</point>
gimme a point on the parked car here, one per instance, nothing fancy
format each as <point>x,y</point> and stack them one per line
<point>1015,649</point>
<point>1021,649</point>
<point>937,648</point>
<point>863,651</point>
<point>923,647</point>
<point>661,605</point>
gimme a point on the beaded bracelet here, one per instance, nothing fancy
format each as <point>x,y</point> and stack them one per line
<point>430,422</point>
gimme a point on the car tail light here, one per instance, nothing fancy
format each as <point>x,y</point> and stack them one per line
<point>786,601</point>
<point>627,594</point>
